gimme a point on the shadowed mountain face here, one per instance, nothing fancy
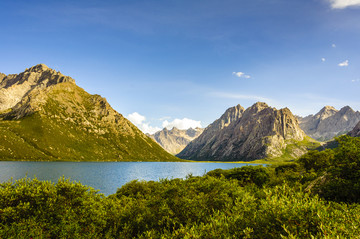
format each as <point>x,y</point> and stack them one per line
<point>356,131</point>
<point>45,116</point>
<point>175,140</point>
<point>329,122</point>
<point>244,135</point>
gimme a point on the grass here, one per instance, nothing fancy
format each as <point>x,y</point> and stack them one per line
<point>292,146</point>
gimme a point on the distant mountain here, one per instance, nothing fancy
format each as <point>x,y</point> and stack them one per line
<point>329,122</point>
<point>356,131</point>
<point>244,135</point>
<point>44,115</point>
<point>175,140</point>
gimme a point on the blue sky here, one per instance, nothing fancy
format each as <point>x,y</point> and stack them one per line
<point>184,62</point>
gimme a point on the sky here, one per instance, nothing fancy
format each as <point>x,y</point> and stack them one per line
<point>182,63</point>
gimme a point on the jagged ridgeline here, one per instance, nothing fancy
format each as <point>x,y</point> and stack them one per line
<point>329,122</point>
<point>259,132</point>
<point>175,140</point>
<point>44,115</point>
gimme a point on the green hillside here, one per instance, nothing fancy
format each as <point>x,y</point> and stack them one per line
<point>64,122</point>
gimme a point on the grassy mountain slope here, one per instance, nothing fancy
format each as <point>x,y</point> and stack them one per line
<point>64,122</point>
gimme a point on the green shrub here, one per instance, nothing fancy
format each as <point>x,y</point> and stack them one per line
<point>257,175</point>
<point>285,168</point>
<point>343,180</point>
<point>318,161</point>
<point>33,208</point>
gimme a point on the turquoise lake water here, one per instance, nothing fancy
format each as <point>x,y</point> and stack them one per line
<point>106,176</point>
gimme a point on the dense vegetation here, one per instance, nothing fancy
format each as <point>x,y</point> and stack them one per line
<point>314,197</point>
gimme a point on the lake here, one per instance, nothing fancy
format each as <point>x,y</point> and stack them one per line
<point>107,176</point>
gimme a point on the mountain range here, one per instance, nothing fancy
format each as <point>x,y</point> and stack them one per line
<point>44,115</point>
<point>329,122</point>
<point>258,132</point>
<point>175,140</point>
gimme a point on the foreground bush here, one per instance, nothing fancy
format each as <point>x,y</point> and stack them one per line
<point>196,207</point>
<point>246,175</point>
<point>40,209</point>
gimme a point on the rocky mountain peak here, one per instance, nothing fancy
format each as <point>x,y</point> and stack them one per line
<point>259,132</point>
<point>14,87</point>
<point>259,106</point>
<point>175,140</point>
<point>329,122</point>
<point>231,114</point>
<point>346,110</point>
<point>2,76</point>
<point>327,108</point>
<point>38,68</point>
<point>174,129</point>
<point>326,112</point>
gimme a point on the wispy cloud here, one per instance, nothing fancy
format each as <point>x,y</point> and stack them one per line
<point>344,63</point>
<point>357,80</point>
<point>333,45</point>
<point>321,101</point>
<point>241,75</point>
<point>136,118</point>
<point>239,96</point>
<point>165,118</point>
<point>184,123</point>
<point>341,4</point>
<point>323,59</point>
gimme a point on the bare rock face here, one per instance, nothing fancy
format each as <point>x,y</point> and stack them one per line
<point>329,122</point>
<point>231,115</point>
<point>175,140</point>
<point>14,87</point>
<point>258,132</point>
<point>356,131</point>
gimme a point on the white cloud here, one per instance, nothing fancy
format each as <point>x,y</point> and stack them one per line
<point>333,45</point>
<point>139,120</point>
<point>357,80</point>
<point>241,75</point>
<point>341,4</point>
<point>146,128</point>
<point>184,123</point>
<point>344,63</point>
<point>323,59</point>
<point>136,118</point>
<point>240,96</point>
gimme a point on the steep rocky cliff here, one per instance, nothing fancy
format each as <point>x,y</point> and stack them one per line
<point>46,116</point>
<point>356,131</point>
<point>258,132</point>
<point>209,134</point>
<point>329,122</point>
<point>175,140</point>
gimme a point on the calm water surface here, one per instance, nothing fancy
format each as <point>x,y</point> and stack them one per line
<point>106,176</point>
